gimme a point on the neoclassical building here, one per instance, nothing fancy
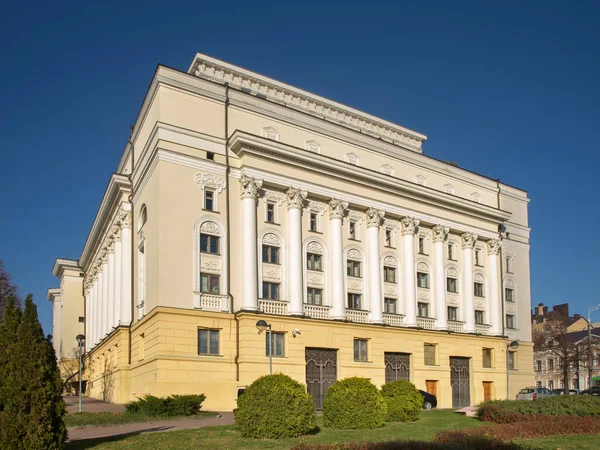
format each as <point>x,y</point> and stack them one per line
<point>239,198</point>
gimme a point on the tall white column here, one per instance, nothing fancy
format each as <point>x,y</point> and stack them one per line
<point>94,313</point>
<point>494,296</point>
<point>118,288</point>
<point>88,304</point>
<point>409,226</point>
<point>295,199</point>
<point>374,217</point>
<point>468,309</point>
<point>440,233</point>
<point>337,209</point>
<point>126,297</point>
<point>111,290</point>
<point>100,307</point>
<point>249,192</point>
<point>105,297</point>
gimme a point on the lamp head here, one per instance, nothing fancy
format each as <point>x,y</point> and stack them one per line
<point>261,325</point>
<point>514,345</point>
<point>80,338</point>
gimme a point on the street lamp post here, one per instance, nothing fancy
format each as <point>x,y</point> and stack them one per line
<point>513,345</point>
<point>593,308</point>
<point>261,326</point>
<point>80,338</point>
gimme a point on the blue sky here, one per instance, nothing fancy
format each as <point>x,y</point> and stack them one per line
<point>505,89</point>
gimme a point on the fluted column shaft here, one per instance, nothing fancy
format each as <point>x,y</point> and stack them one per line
<point>295,199</point>
<point>94,316</point>
<point>249,192</point>
<point>409,226</point>
<point>468,242</point>
<point>495,297</point>
<point>117,284</point>
<point>111,292</point>
<point>439,285</point>
<point>105,298</point>
<point>374,217</point>
<point>337,209</point>
<point>100,310</point>
<point>126,298</point>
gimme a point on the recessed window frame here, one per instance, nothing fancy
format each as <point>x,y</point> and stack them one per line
<point>270,254</point>
<point>390,305</point>
<point>270,290</point>
<point>277,344</point>
<point>487,358</point>
<point>509,295</point>
<point>314,296</point>
<point>389,238</point>
<point>353,230</point>
<point>423,310</point>
<point>452,285</point>
<point>210,280</point>
<point>354,301</point>
<point>354,268</point>
<point>430,354</point>
<point>389,274</point>
<point>479,317</point>
<point>314,224</point>
<point>479,289</point>
<point>314,261</point>
<point>210,242</point>
<point>478,257</point>
<point>361,350</point>
<point>510,321</point>
<point>423,280</point>
<point>210,200</point>
<point>452,312</point>
<point>270,212</point>
<point>422,245</point>
<point>212,348</point>
<point>451,252</point>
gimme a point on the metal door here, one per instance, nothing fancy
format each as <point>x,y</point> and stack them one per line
<point>321,372</point>
<point>459,380</point>
<point>397,366</point>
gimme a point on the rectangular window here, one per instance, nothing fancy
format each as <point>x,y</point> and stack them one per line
<point>451,252</point>
<point>388,238</point>
<point>352,231</point>
<point>209,283</point>
<point>270,254</point>
<point>209,244</point>
<point>389,305</point>
<point>429,354</point>
<point>453,313</point>
<point>271,212</point>
<point>389,274</point>
<point>422,245</point>
<point>361,350</point>
<point>511,360</point>
<point>478,261</point>
<point>270,291</point>
<point>550,384</point>
<point>208,342</point>
<point>209,200</point>
<point>277,343</point>
<point>509,264</point>
<point>423,280</point>
<point>550,364</point>
<point>423,309</point>
<point>510,321</point>
<point>210,155</point>
<point>313,262</point>
<point>479,318</point>
<point>452,285</point>
<point>538,366</point>
<point>354,301</point>
<point>508,295</point>
<point>314,296</point>
<point>353,268</point>
<point>313,222</point>
<point>487,355</point>
<point>478,290</point>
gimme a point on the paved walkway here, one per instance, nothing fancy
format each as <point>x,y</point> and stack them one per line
<point>127,429</point>
<point>91,405</point>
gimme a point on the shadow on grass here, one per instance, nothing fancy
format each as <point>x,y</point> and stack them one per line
<point>92,442</point>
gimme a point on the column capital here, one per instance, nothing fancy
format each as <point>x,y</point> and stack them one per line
<point>440,233</point>
<point>468,239</point>
<point>409,225</point>
<point>337,208</point>
<point>494,246</point>
<point>374,217</point>
<point>295,197</point>
<point>249,186</point>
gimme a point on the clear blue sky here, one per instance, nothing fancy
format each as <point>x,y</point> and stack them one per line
<point>506,90</point>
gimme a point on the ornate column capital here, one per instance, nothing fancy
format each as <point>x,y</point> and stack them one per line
<point>440,233</point>
<point>337,208</point>
<point>494,246</point>
<point>374,217</point>
<point>468,239</point>
<point>409,225</point>
<point>295,197</point>
<point>249,186</point>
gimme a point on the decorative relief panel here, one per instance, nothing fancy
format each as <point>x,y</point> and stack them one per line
<point>478,278</point>
<point>420,179</point>
<point>271,133</point>
<point>422,267</point>
<point>271,275</point>
<point>354,254</point>
<point>316,207</point>
<point>210,266</point>
<point>210,228</point>
<point>448,188</point>
<point>274,196</point>
<point>209,180</point>
<point>315,281</point>
<point>387,169</point>
<point>352,158</point>
<point>423,294</point>
<point>391,224</point>
<point>355,287</point>
<point>510,308</point>
<point>390,261</point>
<point>479,303</point>
<point>271,239</point>
<point>313,146</point>
<point>356,216</point>
<point>452,272</point>
<point>314,247</point>
<point>451,299</point>
<point>476,197</point>
<point>390,291</point>
<point>510,284</point>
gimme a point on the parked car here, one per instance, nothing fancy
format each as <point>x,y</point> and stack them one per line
<point>594,390</point>
<point>562,392</point>
<point>429,400</point>
<point>533,393</point>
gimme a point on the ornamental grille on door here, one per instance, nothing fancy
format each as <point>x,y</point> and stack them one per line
<point>321,372</point>
<point>459,380</point>
<point>397,366</point>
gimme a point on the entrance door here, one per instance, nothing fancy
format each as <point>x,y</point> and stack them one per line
<point>321,372</point>
<point>487,391</point>
<point>431,387</point>
<point>459,380</point>
<point>397,366</point>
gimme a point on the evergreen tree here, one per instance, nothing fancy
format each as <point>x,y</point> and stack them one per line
<point>34,408</point>
<point>7,289</point>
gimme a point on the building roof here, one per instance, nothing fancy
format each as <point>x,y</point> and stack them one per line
<point>53,294</point>
<point>61,264</point>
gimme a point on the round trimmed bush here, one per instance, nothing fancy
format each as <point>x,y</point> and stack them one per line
<point>354,403</point>
<point>403,400</point>
<point>275,406</point>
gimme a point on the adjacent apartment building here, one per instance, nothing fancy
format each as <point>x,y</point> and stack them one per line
<point>239,198</point>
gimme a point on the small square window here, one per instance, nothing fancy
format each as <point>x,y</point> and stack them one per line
<point>453,313</point>
<point>354,301</point>
<point>277,343</point>
<point>208,342</point>
<point>270,254</point>
<point>314,224</point>
<point>353,268</point>
<point>508,295</point>
<point>479,317</point>
<point>389,305</point>
<point>314,296</point>
<point>430,350</point>
<point>478,290</point>
<point>423,280</point>
<point>423,309</point>
<point>313,262</point>
<point>81,319</point>
<point>510,321</point>
<point>389,274</point>
<point>361,350</point>
<point>270,291</point>
<point>487,356</point>
<point>209,283</point>
<point>209,244</point>
<point>271,212</point>
<point>210,155</point>
<point>209,200</point>
<point>452,285</point>
<point>352,230</point>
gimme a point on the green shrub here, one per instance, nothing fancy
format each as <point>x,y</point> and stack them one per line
<point>354,403</point>
<point>175,405</point>
<point>403,401</point>
<point>275,406</point>
<point>504,411</point>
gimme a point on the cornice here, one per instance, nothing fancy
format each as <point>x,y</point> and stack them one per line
<point>62,264</point>
<point>212,69</point>
<point>245,143</point>
<point>53,294</point>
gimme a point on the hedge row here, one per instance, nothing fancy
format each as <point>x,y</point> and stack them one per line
<point>174,405</point>
<point>532,427</point>
<point>508,411</point>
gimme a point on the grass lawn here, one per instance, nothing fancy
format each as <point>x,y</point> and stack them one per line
<point>570,442</point>
<point>107,418</point>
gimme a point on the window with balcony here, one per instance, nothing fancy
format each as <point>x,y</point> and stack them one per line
<point>314,296</point>
<point>361,350</point>
<point>452,285</point>
<point>508,295</point>
<point>430,354</point>
<point>209,283</point>
<point>209,243</point>
<point>270,291</point>
<point>453,313</point>
<point>208,342</point>
<point>277,343</point>
<point>270,254</point>
<point>353,268</point>
<point>313,262</point>
<point>479,317</point>
<point>423,309</point>
<point>487,355</point>
<point>354,301</point>
<point>389,274</point>
<point>478,289</point>
<point>423,280</point>
<point>389,305</point>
